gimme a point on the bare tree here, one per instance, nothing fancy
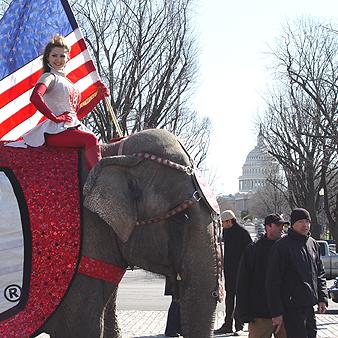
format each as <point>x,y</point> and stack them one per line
<point>307,60</point>
<point>145,52</point>
<point>272,198</point>
<point>306,164</point>
<point>299,123</point>
<point>193,125</point>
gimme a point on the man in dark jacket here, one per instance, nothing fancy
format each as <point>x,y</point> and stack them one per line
<point>295,279</point>
<point>251,303</point>
<point>236,239</point>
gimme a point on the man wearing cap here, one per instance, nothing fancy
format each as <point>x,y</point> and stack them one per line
<point>251,302</point>
<point>236,238</point>
<point>295,279</point>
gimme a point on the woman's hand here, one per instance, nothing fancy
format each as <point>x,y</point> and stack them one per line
<point>101,92</point>
<point>65,117</point>
<point>277,323</point>
<point>321,307</point>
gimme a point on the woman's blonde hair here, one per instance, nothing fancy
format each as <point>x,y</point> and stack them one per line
<point>57,41</point>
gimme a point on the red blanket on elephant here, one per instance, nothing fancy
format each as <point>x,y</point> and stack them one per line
<point>39,195</point>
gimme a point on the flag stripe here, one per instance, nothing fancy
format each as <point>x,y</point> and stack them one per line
<point>89,91</point>
<point>27,125</point>
<point>77,48</point>
<point>14,106</point>
<point>81,71</point>
<point>20,74</point>
<point>20,88</point>
<point>19,117</point>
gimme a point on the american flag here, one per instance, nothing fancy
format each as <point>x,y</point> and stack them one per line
<point>25,29</point>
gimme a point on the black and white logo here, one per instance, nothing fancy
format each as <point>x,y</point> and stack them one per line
<point>12,293</point>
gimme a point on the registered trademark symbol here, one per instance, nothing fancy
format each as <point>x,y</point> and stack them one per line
<point>12,293</point>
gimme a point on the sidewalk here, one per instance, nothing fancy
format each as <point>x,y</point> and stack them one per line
<point>150,324</point>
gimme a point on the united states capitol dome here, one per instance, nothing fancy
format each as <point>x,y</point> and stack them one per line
<point>257,167</point>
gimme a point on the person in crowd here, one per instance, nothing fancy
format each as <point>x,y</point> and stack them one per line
<point>236,238</point>
<point>295,279</point>
<point>58,99</point>
<point>251,299</point>
<point>173,325</point>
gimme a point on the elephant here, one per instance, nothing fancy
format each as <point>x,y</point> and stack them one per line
<point>121,196</point>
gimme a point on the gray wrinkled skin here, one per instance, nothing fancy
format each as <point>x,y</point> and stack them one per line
<point>119,191</point>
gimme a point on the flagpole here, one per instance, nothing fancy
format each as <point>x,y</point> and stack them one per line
<point>113,117</point>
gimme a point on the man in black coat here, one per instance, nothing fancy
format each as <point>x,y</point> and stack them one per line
<point>295,279</point>
<point>236,238</point>
<point>251,302</point>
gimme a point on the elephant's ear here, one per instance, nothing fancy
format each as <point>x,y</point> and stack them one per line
<point>109,192</point>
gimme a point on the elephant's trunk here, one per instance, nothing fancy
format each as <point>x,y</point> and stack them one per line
<point>198,285</point>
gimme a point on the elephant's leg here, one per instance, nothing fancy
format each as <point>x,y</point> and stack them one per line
<point>109,324</point>
<point>59,332</point>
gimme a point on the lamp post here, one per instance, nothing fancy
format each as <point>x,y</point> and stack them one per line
<point>321,208</point>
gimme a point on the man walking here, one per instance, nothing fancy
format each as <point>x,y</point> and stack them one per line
<point>236,239</point>
<point>295,279</point>
<point>251,303</point>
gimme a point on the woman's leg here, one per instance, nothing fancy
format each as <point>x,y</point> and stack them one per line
<point>77,138</point>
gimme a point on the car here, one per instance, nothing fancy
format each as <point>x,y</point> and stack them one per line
<point>333,291</point>
<point>260,230</point>
<point>329,259</point>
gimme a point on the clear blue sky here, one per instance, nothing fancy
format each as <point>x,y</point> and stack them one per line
<point>233,37</point>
